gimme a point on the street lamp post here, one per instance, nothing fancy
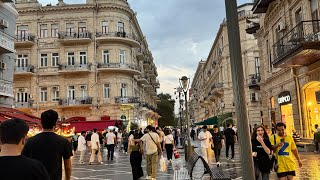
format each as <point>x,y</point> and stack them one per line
<point>184,81</point>
<point>179,91</point>
<point>238,89</point>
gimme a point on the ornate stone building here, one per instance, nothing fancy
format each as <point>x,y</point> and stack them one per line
<point>289,39</point>
<point>212,84</point>
<point>8,15</point>
<point>87,61</point>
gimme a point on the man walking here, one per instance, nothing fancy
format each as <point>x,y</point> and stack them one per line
<point>95,147</point>
<point>218,142</point>
<point>205,139</point>
<point>75,141</point>
<point>231,139</point>
<point>125,138</point>
<point>82,146</point>
<point>285,149</point>
<point>49,148</point>
<point>161,136</point>
<point>13,166</point>
<point>111,139</point>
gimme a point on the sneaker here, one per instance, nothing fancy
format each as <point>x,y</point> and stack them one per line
<point>153,179</point>
<point>148,177</point>
<point>232,160</point>
<point>315,151</point>
<point>81,162</point>
<point>101,162</point>
<point>218,164</point>
<point>228,159</point>
<point>123,151</point>
<point>90,163</point>
<point>126,152</point>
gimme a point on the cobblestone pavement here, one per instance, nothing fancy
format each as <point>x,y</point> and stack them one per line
<point>120,169</point>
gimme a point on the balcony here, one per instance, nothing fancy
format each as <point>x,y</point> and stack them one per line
<point>149,106</point>
<point>142,79</point>
<point>24,40</point>
<point>6,88</point>
<point>119,67</point>
<point>75,101</point>
<point>254,81</point>
<point>261,6</point>
<point>217,88</point>
<point>140,55</point>
<point>28,104</point>
<point>73,37</point>
<point>6,43</point>
<point>252,27</point>
<point>118,37</point>
<point>76,68</point>
<point>299,47</point>
<point>126,100</point>
<point>27,70</point>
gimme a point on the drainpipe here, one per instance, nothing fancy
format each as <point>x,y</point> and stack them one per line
<point>295,77</point>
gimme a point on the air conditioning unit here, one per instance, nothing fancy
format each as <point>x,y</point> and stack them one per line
<point>21,89</point>
<point>2,65</point>
<point>4,23</point>
<point>55,88</point>
<point>254,97</point>
<point>281,26</point>
<point>83,87</point>
<point>254,81</point>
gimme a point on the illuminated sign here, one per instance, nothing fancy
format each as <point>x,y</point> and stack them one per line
<point>284,98</point>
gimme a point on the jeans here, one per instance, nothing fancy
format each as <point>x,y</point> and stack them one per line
<point>110,148</point>
<point>260,175</point>
<point>152,164</point>
<point>169,150</point>
<point>232,149</point>
<point>217,152</point>
<point>125,146</point>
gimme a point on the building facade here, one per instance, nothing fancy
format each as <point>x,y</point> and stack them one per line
<point>8,16</point>
<point>289,39</point>
<point>84,60</point>
<point>212,84</point>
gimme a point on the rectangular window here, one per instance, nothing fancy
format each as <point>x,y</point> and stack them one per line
<point>82,27</point>
<point>83,91</point>
<point>123,90</point>
<point>120,27</point>
<point>122,56</point>
<point>106,91</point>
<point>43,31</point>
<point>55,59</point>
<point>43,94</point>
<point>298,16</point>
<point>70,29</point>
<point>83,58</point>
<point>70,58</point>
<point>43,60</point>
<point>314,15</point>
<point>22,61</point>
<point>22,96</point>
<point>105,27</point>
<point>257,65</point>
<point>55,93</point>
<point>106,56</point>
<point>71,93</point>
<point>22,33</point>
<point>54,30</point>
<point>269,56</point>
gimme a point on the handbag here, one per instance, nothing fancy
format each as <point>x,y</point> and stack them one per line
<point>274,162</point>
<point>163,166</point>
<point>159,149</point>
<point>176,153</point>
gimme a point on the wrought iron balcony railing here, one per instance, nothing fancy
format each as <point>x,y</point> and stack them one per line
<point>305,32</point>
<point>74,35</point>
<point>24,69</point>
<point>127,99</point>
<point>74,67</point>
<point>254,79</point>
<point>27,104</point>
<point>24,38</point>
<point>75,101</point>
<point>119,65</point>
<point>117,34</point>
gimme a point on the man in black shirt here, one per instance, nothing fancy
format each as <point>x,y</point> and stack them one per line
<point>230,138</point>
<point>13,166</point>
<point>49,148</point>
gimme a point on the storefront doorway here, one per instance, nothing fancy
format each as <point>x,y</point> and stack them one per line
<point>285,104</point>
<point>311,94</point>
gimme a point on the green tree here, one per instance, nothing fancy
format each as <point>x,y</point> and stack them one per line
<point>133,126</point>
<point>166,110</point>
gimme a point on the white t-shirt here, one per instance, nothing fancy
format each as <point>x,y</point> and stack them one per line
<point>81,143</point>
<point>221,128</point>
<point>151,146</point>
<point>205,135</point>
<point>119,138</point>
<point>168,139</point>
<point>110,138</point>
<point>94,141</point>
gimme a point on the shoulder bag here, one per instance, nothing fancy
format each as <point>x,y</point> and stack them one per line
<point>159,149</point>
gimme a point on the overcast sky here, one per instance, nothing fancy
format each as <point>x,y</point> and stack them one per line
<point>179,32</point>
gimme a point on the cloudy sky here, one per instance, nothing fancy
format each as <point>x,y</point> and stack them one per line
<point>179,32</point>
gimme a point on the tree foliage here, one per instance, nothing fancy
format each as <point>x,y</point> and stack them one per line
<point>166,110</point>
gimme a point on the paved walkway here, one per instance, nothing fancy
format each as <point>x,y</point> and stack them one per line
<point>120,169</point>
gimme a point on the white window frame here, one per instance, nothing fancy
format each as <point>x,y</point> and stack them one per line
<point>257,65</point>
<point>43,94</point>
<point>122,56</point>
<point>120,26</point>
<point>71,93</point>
<point>123,90</point>
<point>22,32</point>
<point>55,94</point>
<point>83,92</point>
<point>106,91</point>
<point>83,57</point>
<point>106,56</point>
<point>71,58</point>
<point>22,97</point>
<point>54,59</point>
<point>44,60</point>
<point>43,31</point>
<point>105,27</point>
<point>22,60</point>
<point>69,29</point>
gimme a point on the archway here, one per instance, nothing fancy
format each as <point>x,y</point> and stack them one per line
<point>311,106</point>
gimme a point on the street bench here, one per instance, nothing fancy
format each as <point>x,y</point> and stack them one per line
<point>186,174</point>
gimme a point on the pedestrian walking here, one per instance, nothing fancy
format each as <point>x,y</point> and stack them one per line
<point>88,140</point>
<point>136,151</point>
<point>192,133</point>
<point>101,141</point>
<point>14,166</point>
<point>111,140</point>
<point>125,139</point>
<point>285,149</point>
<point>82,146</point>
<point>151,138</point>
<point>261,151</point>
<point>161,136</point>
<point>221,128</point>
<point>116,141</point>
<point>75,141</point>
<point>205,139</point>
<point>230,138</point>
<point>169,144</point>
<point>175,136</point>
<point>50,148</point>
<point>95,148</point>
<point>218,142</point>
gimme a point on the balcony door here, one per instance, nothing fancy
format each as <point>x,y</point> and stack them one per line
<point>71,95</point>
<point>22,61</point>
<point>124,90</point>
<point>83,92</point>
<point>120,27</point>
<point>22,33</point>
<point>70,29</point>
<point>315,15</point>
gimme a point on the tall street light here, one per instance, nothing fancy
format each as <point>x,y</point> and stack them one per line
<point>178,92</point>
<point>184,82</point>
<point>238,89</point>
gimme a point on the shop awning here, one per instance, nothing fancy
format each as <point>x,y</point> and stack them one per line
<point>74,119</point>
<point>14,113</point>
<point>215,120</point>
<point>90,125</point>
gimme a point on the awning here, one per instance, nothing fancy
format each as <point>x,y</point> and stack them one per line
<point>20,116</point>
<point>90,125</point>
<point>215,120</point>
<point>74,119</point>
<point>2,118</point>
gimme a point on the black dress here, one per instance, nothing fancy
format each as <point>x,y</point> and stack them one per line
<point>262,160</point>
<point>135,161</point>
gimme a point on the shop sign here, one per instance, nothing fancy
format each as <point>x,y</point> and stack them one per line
<point>284,98</point>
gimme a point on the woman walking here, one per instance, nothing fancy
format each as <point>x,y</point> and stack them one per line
<point>218,142</point>
<point>168,144</point>
<point>261,149</point>
<point>136,151</point>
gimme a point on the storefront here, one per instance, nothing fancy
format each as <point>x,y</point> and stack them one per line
<point>284,101</point>
<point>311,95</point>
